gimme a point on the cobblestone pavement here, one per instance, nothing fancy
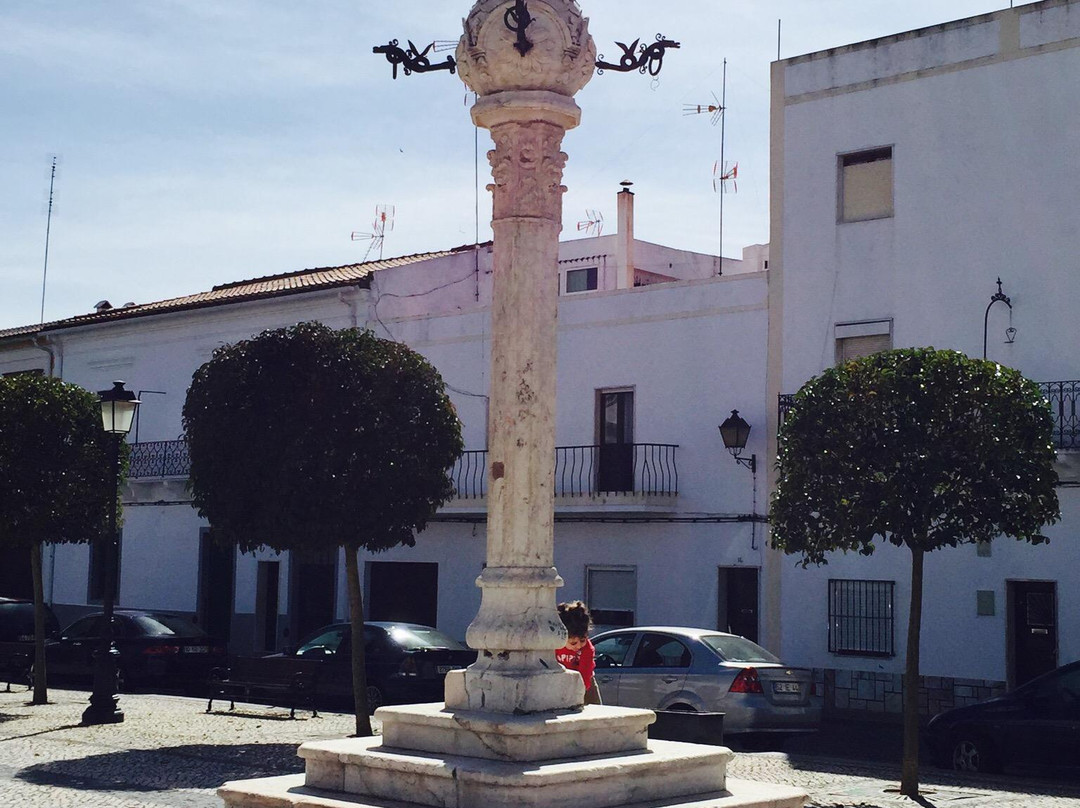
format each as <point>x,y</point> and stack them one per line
<point>169,753</point>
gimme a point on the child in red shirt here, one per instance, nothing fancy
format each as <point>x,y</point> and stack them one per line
<point>578,653</point>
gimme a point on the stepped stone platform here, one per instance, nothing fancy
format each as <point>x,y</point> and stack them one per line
<point>600,757</point>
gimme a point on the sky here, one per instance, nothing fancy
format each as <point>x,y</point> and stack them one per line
<point>207,141</point>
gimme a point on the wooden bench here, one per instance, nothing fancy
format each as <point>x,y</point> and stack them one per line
<point>16,660</point>
<point>279,681</point>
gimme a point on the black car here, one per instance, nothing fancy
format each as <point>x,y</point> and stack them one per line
<point>405,662</point>
<point>156,649</point>
<point>1035,726</point>
<point>17,637</point>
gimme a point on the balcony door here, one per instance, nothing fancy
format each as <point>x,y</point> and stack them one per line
<point>615,463</point>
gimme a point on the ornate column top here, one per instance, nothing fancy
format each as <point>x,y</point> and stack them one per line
<point>513,45</point>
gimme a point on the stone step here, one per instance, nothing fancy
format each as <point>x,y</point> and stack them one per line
<point>289,791</point>
<point>593,730</point>
<point>364,766</point>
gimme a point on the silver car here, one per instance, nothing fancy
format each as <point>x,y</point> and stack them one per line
<point>664,668</point>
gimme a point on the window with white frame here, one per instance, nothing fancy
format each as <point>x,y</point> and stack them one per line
<point>865,185</point>
<point>581,280</point>
<point>861,617</point>
<point>611,594</point>
<point>856,340</point>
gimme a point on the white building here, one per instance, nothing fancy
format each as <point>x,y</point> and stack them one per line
<point>654,519</point>
<point>909,174</point>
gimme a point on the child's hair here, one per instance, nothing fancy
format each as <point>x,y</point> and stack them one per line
<point>576,618</point>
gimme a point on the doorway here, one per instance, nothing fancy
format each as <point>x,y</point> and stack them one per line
<point>737,601</point>
<point>312,579</point>
<point>406,592</point>
<point>216,565</point>
<point>1032,626</point>
<point>615,424</point>
<point>268,575</point>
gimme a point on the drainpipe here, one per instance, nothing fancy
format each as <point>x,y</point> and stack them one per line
<point>624,249</point>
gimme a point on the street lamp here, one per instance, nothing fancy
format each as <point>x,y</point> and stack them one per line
<point>734,432</point>
<point>118,407</point>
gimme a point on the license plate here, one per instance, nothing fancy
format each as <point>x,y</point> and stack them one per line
<point>448,668</point>
<point>786,687</point>
<point>196,649</point>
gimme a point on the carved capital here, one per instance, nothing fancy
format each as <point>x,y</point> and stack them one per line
<point>527,166</point>
<point>561,60</point>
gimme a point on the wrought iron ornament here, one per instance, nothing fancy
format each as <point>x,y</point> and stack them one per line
<point>645,59</point>
<point>517,20</point>
<point>412,60</point>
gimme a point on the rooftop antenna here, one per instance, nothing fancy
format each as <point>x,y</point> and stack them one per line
<point>593,224</point>
<point>384,220</point>
<point>48,231</point>
<point>723,172</point>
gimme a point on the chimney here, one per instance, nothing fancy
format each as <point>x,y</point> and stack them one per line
<point>624,250</point>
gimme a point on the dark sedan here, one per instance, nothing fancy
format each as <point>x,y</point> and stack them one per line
<point>155,649</point>
<point>405,662</point>
<point>1035,726</point>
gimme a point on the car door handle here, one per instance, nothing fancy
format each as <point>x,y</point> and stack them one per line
<point>669,679</point>
<point>605,679</point>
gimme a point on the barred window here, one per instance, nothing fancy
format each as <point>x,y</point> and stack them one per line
<point>861,617</point>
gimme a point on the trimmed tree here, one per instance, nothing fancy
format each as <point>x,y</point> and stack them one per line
<point>56,479</point>
<point>925,449</point>
<point>310,438</point>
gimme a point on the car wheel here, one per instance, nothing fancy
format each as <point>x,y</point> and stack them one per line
<point>375,699</point>
<point>973,753</point>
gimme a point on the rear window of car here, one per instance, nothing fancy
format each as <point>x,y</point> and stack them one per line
<point>737,649</point>
<point>166,625</point>
<point>414,637</point>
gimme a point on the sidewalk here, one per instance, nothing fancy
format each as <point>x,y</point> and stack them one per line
<point>169,753</point>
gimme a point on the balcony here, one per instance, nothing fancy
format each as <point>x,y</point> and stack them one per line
<point>1062,397</point>
<point>625,476</point>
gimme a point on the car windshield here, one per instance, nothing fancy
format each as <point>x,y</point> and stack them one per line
<point>737,649</point>
<point>413,637</point>
<point>166,625</point>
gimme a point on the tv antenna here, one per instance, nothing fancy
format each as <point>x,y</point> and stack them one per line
<point>723,173</point>
<point>48,231</point>
<point>593,224</point>
<point>384,220</point>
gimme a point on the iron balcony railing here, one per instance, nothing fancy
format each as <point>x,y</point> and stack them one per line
<point>580,471</point>
<point>1063,406</point>
<point>163,458</point>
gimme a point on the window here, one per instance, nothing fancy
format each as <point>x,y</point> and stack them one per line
<point>611,652</point>
<point>661,651</point>
<point>866,185</point>
<point>611,593</point>
<point>95,591</point>
<point>861,617</point>
<point>856,340</point>
<point>581,280</point>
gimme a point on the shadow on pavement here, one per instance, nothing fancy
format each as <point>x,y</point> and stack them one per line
<point>191,766</point>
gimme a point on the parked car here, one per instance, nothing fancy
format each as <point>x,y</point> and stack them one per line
<point>17,637</point>
<point>155,649</point>
<point>664,668</point>
<point>1037,725</point>
<point>405,662</point>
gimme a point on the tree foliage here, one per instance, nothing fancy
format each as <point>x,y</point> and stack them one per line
<point>314,438</point>
<point>57,479</point>
<point>922,448</point>
<point>309,438</point>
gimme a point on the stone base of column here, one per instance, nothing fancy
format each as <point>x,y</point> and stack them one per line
<point>519,689</point>
<point>431,756</point>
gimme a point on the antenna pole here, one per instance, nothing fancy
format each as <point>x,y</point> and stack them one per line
<point>778,22</point>
<point>723,123</point>
<point>48,231</point>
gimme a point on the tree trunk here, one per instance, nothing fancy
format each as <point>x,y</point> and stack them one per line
<point>41,692</point>
<point>356,620</point>
<point>909,772</point>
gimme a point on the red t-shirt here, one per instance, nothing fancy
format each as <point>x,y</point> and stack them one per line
<point>583,661</point>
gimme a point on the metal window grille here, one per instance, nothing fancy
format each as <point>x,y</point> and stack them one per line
<point>861,618</point>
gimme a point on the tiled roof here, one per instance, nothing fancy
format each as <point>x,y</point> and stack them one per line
<point>289,283</point>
